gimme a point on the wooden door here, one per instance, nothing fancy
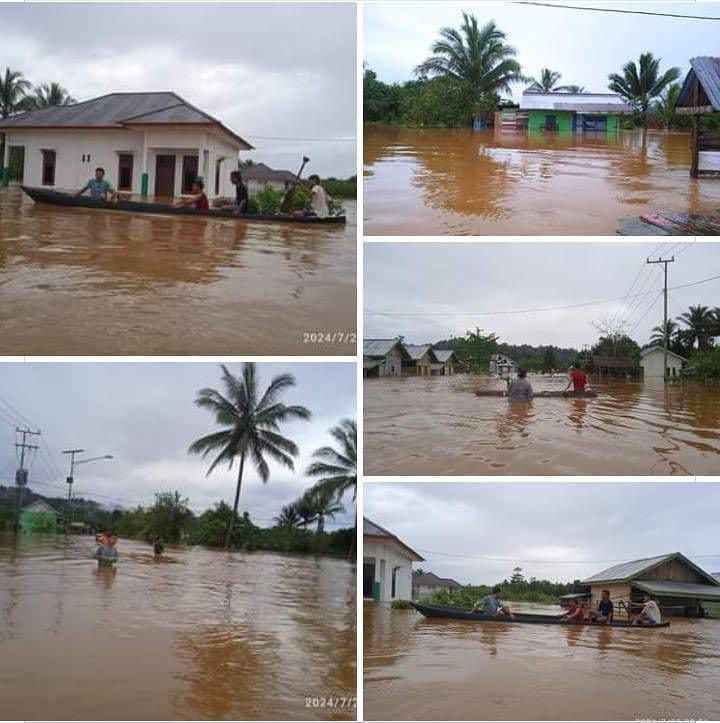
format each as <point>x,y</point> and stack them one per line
<point>165,176</point>
<point>189,173</point>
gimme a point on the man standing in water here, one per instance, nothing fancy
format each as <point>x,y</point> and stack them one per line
<point>520,389</point>
<point>99,188</point>
<point>578,378</point>
<point>106,554</point>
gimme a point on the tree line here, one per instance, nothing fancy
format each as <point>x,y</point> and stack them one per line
<point>471,67</point>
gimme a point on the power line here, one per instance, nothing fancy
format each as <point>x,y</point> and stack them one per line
<point>614,10</point>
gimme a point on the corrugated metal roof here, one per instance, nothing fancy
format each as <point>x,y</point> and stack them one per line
<point>262,172</point>
<point>444,354</point>
<point>654,347</point>
<point>378,347</point>
<point>593,107</point>
<point>679,589</point>
<point>417,351</point>
<point>634,569</point>
<point>374,530</point>
<point>580,102</point>
<point>371,363</point>
<point>430,579</point>
<point>707,71</point>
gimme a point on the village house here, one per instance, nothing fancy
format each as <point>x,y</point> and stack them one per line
<point>426,584</point>
<point>679,586</point>
<point>652,362</point>
<point>387,565</point>
<point>448,363</point>
<point>614,366</point>
<point>39,516</point>
<point>258,176</point>
<point>421,360</point>
<point>502,365</point>
<point>700,95</point>
<point>148,143</point>
<point>573,112</point>
<point>384,357</point>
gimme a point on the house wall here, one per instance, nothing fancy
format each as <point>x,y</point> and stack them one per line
<point>103,147</point>
<point>388,557</point>
<point>564,119</point>
<point>613,124</point>
<point>673,571</point>
<point>652,365</point>
<point>392,365</point>
<point>39,521</point>
<point>618,592</point>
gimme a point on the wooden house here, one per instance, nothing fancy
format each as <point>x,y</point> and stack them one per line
<point>614,366</point>
<point>384,357</point>
<point>425,585</point>
<point>448,363</point>
<point>573,112</point>
<point>678,585</point>
<point>699,96</point>
<point>421,360</point>
<point>502,365</point>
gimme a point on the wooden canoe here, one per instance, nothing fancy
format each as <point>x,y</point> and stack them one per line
<point>451,613</point>
<point>56,198</point>
<point>587,394</point>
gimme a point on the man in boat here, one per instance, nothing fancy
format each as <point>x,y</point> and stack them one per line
<point>319,199</point>
<point>605,609</point>
<point>520,389</point>
<point>650,614</point>
<point>491,605</point>
<point>197,198</point>
<point>99,188</point>
<point>575,614</point>
<point>578,378</point>
<point>241,192</point>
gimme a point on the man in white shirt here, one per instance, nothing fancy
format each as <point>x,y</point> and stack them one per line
<point>650,614</point>
<point>318,198</point>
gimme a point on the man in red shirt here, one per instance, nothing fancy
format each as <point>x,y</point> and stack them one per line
<point>578,379</point>
<point>576,613</point>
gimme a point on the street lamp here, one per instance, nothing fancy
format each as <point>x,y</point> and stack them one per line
<point>74,463</point>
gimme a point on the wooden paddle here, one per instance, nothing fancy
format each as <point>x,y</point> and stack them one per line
<point>287,201</point>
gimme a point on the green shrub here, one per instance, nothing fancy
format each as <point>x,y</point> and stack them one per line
<point>401,605</point>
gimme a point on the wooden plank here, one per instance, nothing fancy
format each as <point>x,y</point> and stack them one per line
<point>694,150</point>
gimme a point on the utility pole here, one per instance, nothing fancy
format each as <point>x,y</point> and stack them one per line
<point>665,263</point>
<point>21,476</point>
<point>69,479</point>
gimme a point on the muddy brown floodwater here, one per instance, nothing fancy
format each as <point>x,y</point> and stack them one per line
<point>418,669</point>
<point>204,635</point>
<point>437,426</point>
<point>82,281</point>
<point>459,181</point>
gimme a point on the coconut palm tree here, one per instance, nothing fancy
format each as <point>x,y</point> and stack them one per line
<point>475,57</point>
<point>337,469</point>
<point>548,83</point>
<point>664,107</point>
<point>698,319</point>
<point>641,82</point>
<point>13,89</point>
<point>323,503</point>
<point>573,88</point>
<point>46,95</point>
<point>288,516</point>
<point>251,424</point>
<point>658,333</point>
<point>305,508</point>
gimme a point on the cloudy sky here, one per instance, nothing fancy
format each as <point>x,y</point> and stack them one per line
<point>268,71</point>
<point>429,291</point>
<point>554,531</point>
<point>143,414</point>
<point>584,46</point>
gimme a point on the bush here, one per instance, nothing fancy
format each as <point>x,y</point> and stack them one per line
<point>706,364</point>
<point>269,200</point>
<point>402,605</point>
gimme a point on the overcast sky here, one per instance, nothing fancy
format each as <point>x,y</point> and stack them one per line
<point>144,415</point>
<point>266,70</point>
<point>559,532</point>
<point>584,46</point>
<point>430,291</point>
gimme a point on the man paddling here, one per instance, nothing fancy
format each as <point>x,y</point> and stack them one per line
<point>520,389</point>
<point>491,605</point>
<point>650,614</point>
<point>578,378</point>
<point>197,198</point>
<point>575,614</point>
<point>99,188</point>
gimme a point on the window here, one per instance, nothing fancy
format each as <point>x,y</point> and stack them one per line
<point>217,178</point>
<point>125,172</point>
<point>394,582</point>
<point>48,168</point>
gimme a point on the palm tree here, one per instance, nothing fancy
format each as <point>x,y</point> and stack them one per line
<point>46,95</point>
<point>548,83</point>
<point>251,426</point>
<point>658,333</point>
<point>573,88</point>
<point>13,88</point>
<point>337,470</point>
<point>665,106</point>
<point>288,516</point>
<point>306,510</point>
<point>640,83</point>
<point>323,503</point>
<point>698,319</point>
<point>475,57</point>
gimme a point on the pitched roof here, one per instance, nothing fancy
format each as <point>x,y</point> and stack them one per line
<point>260,172</point>
<point>634,569</point>
<point>577,102</point>
<point>679,589</point>
<point>418,351</point>
<point>655,347</point>
<point>444,354</point>
<point>371,529</point>
<point>707,71</point>
<point>120,110</point>
<point>39,506</point>
<point>379,347</point>
<point>430,579</point>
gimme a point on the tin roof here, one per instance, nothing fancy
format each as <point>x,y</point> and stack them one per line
<point>378,347</point>
<point>261,172</point>
<point>577,102</point>
<point>418,351</point>
<point>371,529</point>
<point>120,110</point>
<point>678,589</point>
<point>654,347</point>
<point>39,506</point>
<point>430,579</point>
<point>444,354</point>
<point>635,568</point>
<point>707,71</point>
<point>369,363</point>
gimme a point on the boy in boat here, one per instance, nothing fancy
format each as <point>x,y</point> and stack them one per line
<point>99,188</point>
<point>649,615</point>
<point>491,605</point>
<point>319,201</point>
<point>520,389</point>
<point>241,192</point>
<point>605,609</point>
<point>576,613</point>
<point>578,378</point>
<point>197,199</point>
<point>106,554</point>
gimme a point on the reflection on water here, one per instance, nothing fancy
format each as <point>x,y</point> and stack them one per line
<point>436,425</point>
<point>83,281</point>
<point>212,636</point>
<point>418,669</point>
<point>460,181</point>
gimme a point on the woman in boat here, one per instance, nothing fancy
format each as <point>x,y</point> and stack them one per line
<point>197,198</point>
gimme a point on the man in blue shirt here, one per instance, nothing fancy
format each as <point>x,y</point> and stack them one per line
<point>491,605</point>
<point>605,609</point>
<point>99,188</point>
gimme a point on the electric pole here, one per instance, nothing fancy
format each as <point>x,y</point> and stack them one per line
<point>21,476</point>
<point>665,263</point>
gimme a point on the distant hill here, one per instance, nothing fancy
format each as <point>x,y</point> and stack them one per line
<point>8,498</point>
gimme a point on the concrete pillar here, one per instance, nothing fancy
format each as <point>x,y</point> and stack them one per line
<point>6,162</point>
<point>144,176</point>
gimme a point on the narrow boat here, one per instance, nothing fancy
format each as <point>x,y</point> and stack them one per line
<point>56,198</point>
<point>588,394</point>
<point>520,618</point>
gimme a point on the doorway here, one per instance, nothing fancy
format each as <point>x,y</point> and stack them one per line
<point>165,176</point>
<point>189,173</point>
<point>368,578</point>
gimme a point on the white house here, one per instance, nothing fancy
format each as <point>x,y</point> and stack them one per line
<point>387,565</point>
<point>384,357</point>
<point>148,144</point>
<point>652,362</point>
<point>428,583</point>
<point>259,175</point>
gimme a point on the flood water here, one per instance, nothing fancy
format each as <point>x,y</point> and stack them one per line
<point>204,635</point>
<point>418,669</point>
<point>460,181</point>
<point>89,282</point>
<point>437,426</point>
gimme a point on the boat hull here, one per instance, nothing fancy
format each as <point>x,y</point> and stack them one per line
<point>520,618</point>
<point>55,198</point>
<point>539,395</point>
